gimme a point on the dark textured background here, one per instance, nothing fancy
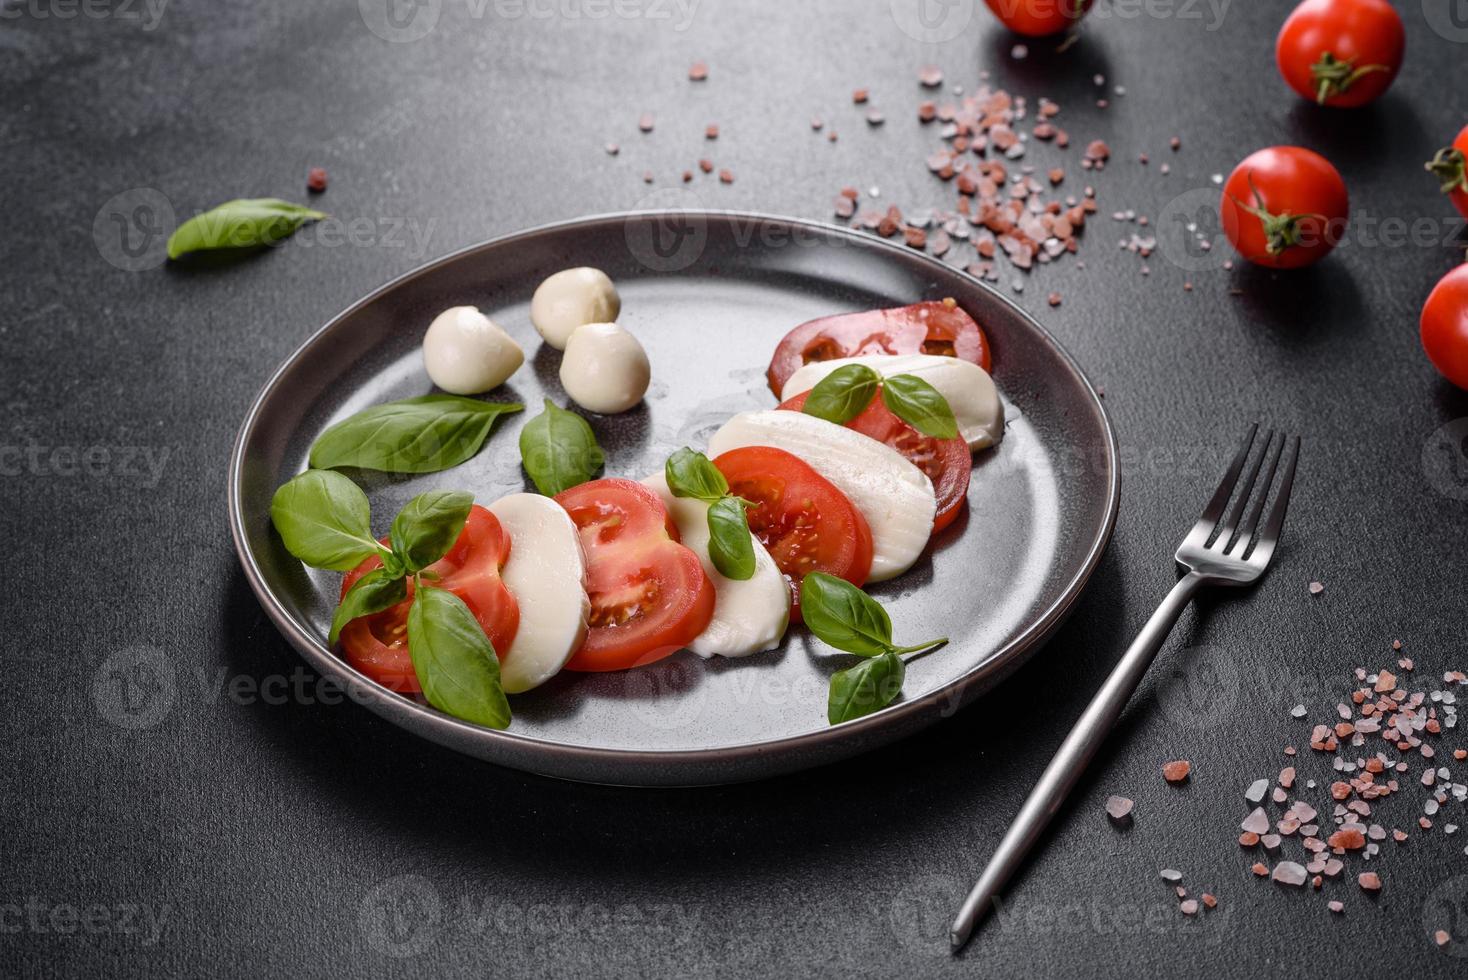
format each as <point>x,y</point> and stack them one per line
<point>318,839</point>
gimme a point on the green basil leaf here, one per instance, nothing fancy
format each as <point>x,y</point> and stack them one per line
<point>845,617</point>
<point>454,660</point>
<point>416,435</point>
<point>920,405</point>
<point>240,224</point>
<point>559,450</point>
<point>730,546</point>
<point>860,690</point>
<point>372,593</point>
<point>427,528</point>
<point>324,520</point>
<point>842,395</point>
<point>691,474</point>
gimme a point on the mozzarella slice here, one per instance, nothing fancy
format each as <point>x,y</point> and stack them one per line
<point>967,387</point>
<point>750,615</point>
<point>546,574</point>
<point>894,496</point>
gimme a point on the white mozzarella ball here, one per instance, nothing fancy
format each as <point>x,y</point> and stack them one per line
<point>466,353</point>
<point>570,298</point>
<point>604,368</point>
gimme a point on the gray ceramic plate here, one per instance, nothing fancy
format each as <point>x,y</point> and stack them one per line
<point>709,295</point>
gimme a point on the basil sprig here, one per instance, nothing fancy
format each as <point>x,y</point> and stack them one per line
<point>845,393</point>
<point>240,224</point>
<point>454,661</point>
<point>425,530</point>
<point>845,617</point>
<point>920,405</point>
<point>559,450</point>
<point>416,435</point>
<point>378,590</point>
<point>872,684</point>
<point>325,521</point>
<point>692,474</point>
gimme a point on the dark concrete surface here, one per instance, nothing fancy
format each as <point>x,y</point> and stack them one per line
<point>185,824</point>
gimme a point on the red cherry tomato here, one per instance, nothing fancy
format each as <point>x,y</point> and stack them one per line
<point>1284,207</point>
<point>1449,167</point>
<point>946,462</point>
<point>1039,18</point>
<point>805,523</point>
<point>1341,53</point>
<point>377,645</point>
<point>649,594</point>
<point>1445,326</point>
<point>923,328</point>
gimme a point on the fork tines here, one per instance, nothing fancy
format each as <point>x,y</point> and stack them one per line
<point>1229,535</point>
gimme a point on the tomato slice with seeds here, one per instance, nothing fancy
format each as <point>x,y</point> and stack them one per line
<point>377,645</point>
<point>946,462</point>
<point>939,327</point>
<point>805,523</point>
<point>649,595</point>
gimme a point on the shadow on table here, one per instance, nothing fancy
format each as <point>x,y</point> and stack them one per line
<point>495,818</point>
<point>1302,307</point>
<point>1359,142</point>
<point>1065,76</point>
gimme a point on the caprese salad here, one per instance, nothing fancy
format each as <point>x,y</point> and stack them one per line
<point>783,517</point>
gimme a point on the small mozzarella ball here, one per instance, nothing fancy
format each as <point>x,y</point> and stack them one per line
<point>570,298</point>
<point>604,368</point>
<point>467,353</point>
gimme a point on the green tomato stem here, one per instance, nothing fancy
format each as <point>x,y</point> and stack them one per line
<point>1334,77</point>
<point>1281,231</point>
<point>1449,168</point>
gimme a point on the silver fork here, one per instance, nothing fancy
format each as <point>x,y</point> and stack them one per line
<point>1219,550</point>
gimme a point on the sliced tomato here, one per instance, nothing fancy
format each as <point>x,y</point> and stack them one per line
<point>377,645</point>
<point>649,595</point>
<point>946,462</point>
<point>923,328</point>
<point>805,523</point>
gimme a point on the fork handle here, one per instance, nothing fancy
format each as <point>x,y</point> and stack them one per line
<point>1075,754</point>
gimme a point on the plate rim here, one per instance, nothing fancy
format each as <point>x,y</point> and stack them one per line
<point>426,721</point>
